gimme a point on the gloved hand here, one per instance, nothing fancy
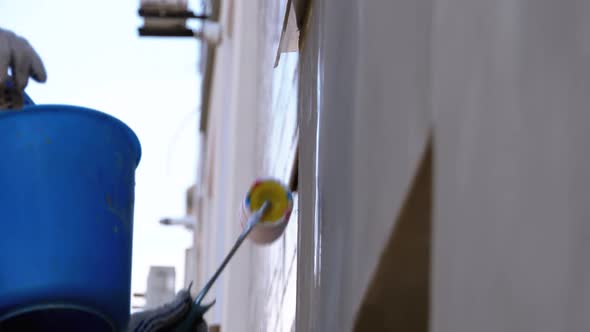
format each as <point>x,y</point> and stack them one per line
<point>17,54</point>
<point>165,317</point>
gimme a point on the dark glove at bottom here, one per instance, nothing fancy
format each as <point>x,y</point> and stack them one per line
<point>169,317</point>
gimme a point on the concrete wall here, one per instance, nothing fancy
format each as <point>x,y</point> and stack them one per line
<point>371,103</point>
<point>504,88</point>
<point>511,96</point>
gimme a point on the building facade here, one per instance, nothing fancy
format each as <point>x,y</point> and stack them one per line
<point>440,165</point>
<point>250,132</point>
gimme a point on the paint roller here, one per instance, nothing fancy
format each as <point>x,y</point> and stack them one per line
<point>265,214</point>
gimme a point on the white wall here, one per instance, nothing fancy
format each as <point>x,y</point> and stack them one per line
<point>511,95</point>
<point>505,85</point>
<point>372,103</point>
<point>252,133</point>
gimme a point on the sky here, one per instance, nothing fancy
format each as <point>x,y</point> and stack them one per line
<point>95,58</point>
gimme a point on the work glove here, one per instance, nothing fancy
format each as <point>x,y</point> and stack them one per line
<point>19,56</point>
<point>166,317</point>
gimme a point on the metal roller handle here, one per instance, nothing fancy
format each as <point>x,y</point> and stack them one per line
<point>252,221</point>
<point>197,310</point>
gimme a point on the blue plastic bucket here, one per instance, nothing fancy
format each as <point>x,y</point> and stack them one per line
<point>67,178</point>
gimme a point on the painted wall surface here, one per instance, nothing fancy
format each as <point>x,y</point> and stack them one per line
<point>511,96</point>
<point>505,88</point>
<point>373,116</point>
<point>252,133</point>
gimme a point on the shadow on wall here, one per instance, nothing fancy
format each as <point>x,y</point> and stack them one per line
<point>398,296</point>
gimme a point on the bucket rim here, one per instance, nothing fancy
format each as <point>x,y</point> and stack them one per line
<point>30,110</point>
<point>57,306</point>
